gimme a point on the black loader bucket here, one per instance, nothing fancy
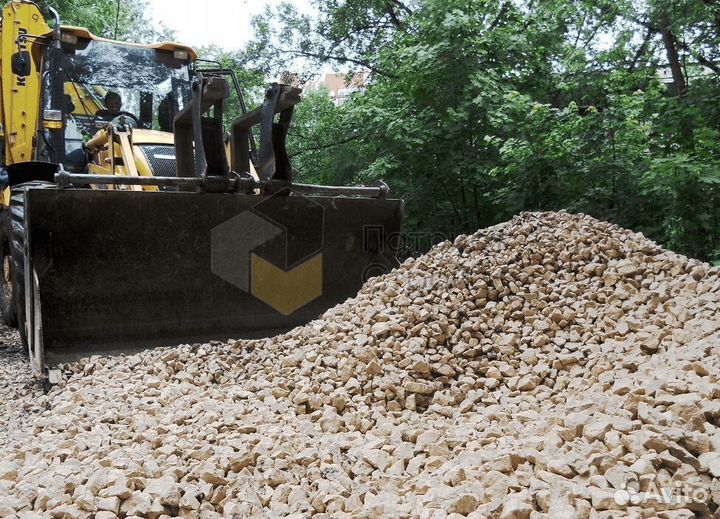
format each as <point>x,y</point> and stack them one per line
<point>114,270</point>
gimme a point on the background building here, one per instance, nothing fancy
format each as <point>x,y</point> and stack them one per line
<point>340,86</point>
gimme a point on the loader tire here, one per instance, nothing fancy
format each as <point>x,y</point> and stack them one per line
<point>8,305</point>
<point>17,250</point>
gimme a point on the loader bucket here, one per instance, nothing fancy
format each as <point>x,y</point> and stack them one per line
<point>117,270</point>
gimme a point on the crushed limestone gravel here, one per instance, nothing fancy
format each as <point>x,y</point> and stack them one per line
<point>21,397</point>
<point>554,366</point>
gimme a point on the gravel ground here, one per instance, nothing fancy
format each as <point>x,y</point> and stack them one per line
<point>552,367</point>
<point>21,397</point>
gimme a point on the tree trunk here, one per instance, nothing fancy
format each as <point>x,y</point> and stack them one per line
<point>671,49</point>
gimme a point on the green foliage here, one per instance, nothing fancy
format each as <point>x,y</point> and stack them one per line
<point>317,127</point>
<point>476,110</point>
<point>103,18</point>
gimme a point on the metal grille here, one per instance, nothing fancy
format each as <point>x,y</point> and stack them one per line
<point>161,159</point>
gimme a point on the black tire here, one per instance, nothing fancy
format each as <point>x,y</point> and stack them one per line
<point>17,251</point>
<point>8,305</point>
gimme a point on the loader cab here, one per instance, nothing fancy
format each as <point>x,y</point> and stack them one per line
<point>89,82</point>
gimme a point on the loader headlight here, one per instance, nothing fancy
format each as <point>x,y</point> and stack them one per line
<point>181,55</point>
<point>52,119</point>
<point>52,115</point>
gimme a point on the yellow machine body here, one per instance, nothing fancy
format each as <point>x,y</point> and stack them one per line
<point>20,97</point>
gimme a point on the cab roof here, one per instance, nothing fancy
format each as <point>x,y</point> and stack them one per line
<point>82,32</point>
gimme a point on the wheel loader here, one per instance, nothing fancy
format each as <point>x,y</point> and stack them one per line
<point>135,215</point>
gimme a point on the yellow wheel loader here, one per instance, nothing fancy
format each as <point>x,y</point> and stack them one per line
<point>134,217</point>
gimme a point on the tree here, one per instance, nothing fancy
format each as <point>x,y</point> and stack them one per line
<point>341,33</point>
<point>476,110</point>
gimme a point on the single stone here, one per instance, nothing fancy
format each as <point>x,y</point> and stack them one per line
<point>517,506</point>
<point>419,388</point>
<point>108,504</point>
<point>464,504</point>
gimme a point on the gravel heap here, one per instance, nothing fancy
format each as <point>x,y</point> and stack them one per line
<point>550,367</point>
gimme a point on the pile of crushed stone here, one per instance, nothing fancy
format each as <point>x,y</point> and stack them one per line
<point>553,366</point>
